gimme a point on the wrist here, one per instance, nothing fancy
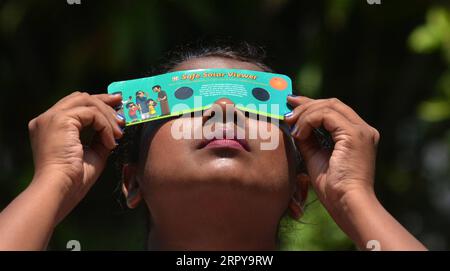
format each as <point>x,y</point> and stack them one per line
<point>355,199</point>
<point>352,203</point>
<point>338,203</point>
<point>56,190</point>
<point>355,211</point>
<point>362,217</point>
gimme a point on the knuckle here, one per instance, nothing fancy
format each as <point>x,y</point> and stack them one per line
<point>85,95</point>
<point>58,118</point>
<point>74,94</point>
<point>359,133</point>
<point>32,125</point>
<point>334,101</point>
<point>37,122</point>
<point>326,111</point>
<point>376,136</point>
<point>91,111</point>
<point>299,108</point>
<point>362,134</point>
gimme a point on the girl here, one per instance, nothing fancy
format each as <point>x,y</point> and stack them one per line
<point>206,194</point>
<point>151,107</point>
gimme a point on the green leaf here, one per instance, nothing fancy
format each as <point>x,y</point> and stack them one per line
<point>436,110</point>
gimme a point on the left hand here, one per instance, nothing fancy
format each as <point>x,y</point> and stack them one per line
<point>350,166</point>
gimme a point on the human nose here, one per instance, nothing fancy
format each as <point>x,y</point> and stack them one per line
<point>226,108</point>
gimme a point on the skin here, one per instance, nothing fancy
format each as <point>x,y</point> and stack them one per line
<point>223,198</point>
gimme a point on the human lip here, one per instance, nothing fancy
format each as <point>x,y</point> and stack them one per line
<point>224,142</point>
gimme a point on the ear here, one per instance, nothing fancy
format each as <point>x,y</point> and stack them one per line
<point>298,199</point>
<point>130,186</point>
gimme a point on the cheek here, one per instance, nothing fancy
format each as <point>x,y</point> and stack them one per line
<point>273,154</point>
<point>166,159</point>
<point>273,165</point>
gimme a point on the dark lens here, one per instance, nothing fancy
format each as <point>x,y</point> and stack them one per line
<point>261,94</point>
<point>183,93</point>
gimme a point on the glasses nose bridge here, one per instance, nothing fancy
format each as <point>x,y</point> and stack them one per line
<point>226,108</point>
<point>225,105</point>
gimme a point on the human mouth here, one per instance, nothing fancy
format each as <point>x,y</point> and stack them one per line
<point>225,142</point>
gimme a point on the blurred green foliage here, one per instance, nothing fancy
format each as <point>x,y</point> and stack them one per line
<point>389,62</point>
<point>315,230</point>
<point>434,36</point>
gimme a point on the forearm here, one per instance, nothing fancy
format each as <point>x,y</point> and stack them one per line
<point>363,218</point>
<point>27,223</point>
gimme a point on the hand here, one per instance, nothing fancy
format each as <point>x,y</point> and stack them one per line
<point>59,157</point>
<point>350,166</point>
<point>343,177</point>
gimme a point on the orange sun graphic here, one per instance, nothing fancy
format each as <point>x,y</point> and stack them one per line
<point>278,83</point>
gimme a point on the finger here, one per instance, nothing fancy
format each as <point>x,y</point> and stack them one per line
<point>333,103</point>
<point>68,97</point>
<point>308,148</point>
<point>346,110</point>
<point>330,119</point>
<point>117,120</point>
<point>95,151</point>
<point>77,96</point>
<point>298,100</point>
<point>109,99</point>
<point>84,99</point>
<point>88,116</point>
<point>110,114</point>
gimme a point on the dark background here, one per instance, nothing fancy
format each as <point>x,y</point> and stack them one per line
<point>390,62</point>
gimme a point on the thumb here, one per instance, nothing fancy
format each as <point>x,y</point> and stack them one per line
<point>315,157</point>
<point>95,157</point>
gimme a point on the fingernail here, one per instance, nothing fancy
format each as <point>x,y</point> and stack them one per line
<point>291,129</point>
<point>294,130</point>
<point>287,115</point>
<point>119,116</point>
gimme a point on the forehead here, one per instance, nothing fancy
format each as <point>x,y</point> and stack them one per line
<point>215,63</point>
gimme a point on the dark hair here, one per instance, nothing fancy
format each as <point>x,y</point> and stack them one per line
<point>225,48</point>
<point>157,86</point>
<point>139,91</point>
<point>129,104</point>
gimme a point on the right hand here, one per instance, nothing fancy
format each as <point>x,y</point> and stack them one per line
<point>59,157</point>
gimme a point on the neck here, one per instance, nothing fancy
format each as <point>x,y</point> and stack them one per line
<point>212,237</point>
<point>215,224</point>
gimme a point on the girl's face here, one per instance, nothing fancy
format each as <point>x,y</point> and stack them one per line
<point>184,179</point>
